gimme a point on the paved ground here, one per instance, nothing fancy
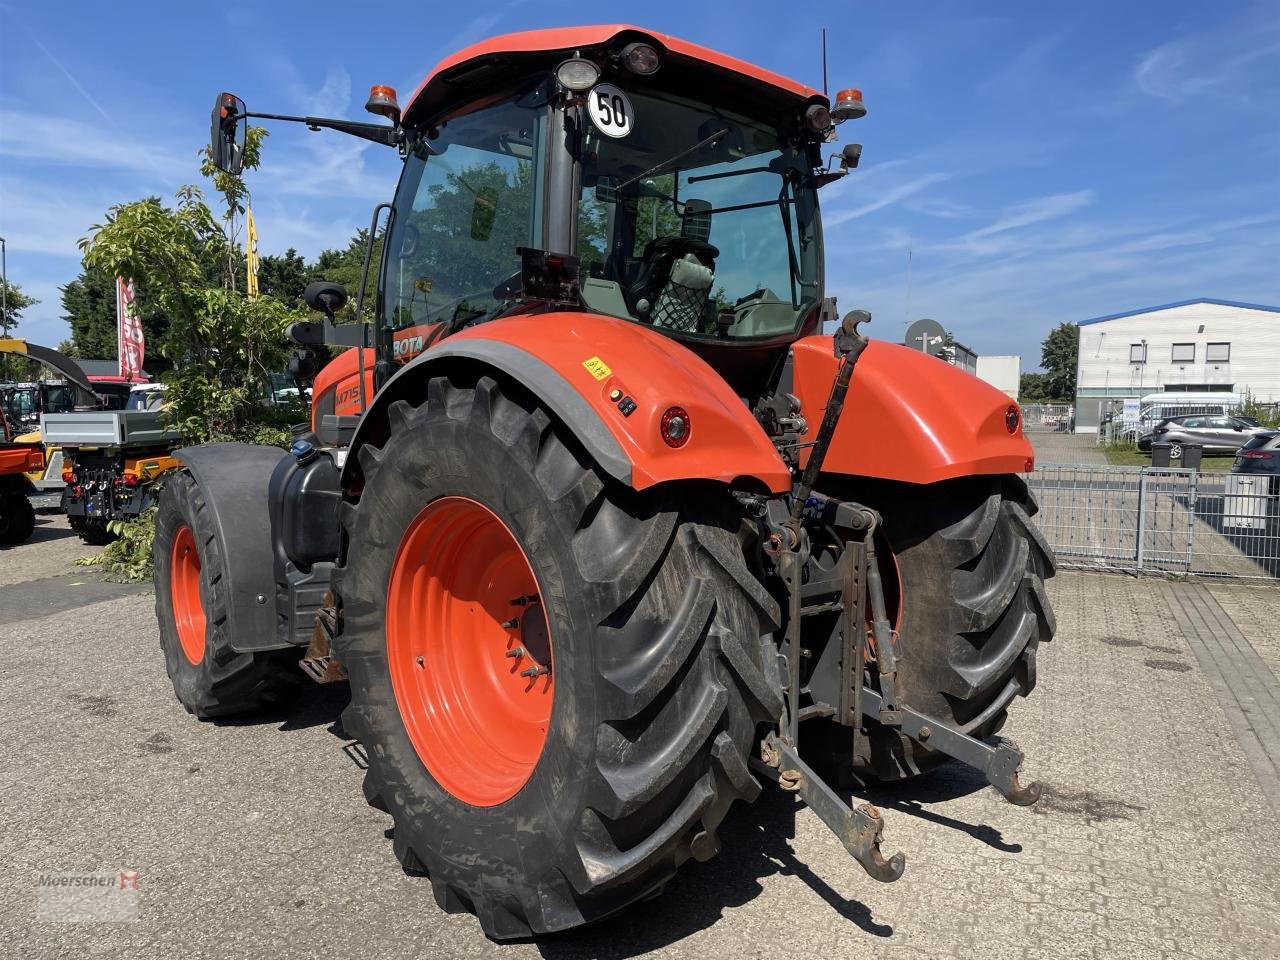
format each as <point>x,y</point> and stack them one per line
<point>1156,837</point>
<point>1054,447</point>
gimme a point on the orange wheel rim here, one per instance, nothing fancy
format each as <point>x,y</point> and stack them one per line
<point>184,589</point>
<point>469,651</point>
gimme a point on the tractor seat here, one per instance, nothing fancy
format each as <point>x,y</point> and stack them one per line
<point>670,267</point>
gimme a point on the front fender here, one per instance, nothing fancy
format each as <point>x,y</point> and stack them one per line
<point>574,363</point>
<point>909,416</point>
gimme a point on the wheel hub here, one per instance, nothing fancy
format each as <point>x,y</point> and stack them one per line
<point>469,651</point>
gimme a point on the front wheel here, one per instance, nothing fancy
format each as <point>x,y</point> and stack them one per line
<point>210,677</point>
<point>557,680</point>
<point>17,518</point>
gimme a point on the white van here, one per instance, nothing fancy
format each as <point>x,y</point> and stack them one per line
<point>1172,403</point>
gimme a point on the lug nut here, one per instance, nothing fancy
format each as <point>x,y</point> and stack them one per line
<point>516,652</point>
<point>535,671</point>
<point>511,624</point>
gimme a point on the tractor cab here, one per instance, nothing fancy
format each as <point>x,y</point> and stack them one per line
<point>614,172</point>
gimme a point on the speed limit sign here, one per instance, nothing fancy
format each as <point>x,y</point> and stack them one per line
<point>610,110</point>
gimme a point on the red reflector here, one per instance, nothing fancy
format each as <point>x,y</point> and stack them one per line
<point>68,476</point>
<point>130,479</point>
<point>1030,464</point>
<point>675,427</point>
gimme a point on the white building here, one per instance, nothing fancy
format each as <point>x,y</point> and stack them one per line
<point>1003,373</point>
<point>1193,346</point>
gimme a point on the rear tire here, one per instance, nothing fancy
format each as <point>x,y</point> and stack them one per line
<point>972,568</point>
<point>17,518</point>
<point>93,532</point>
<point>658,638</point>
<point>210,678</point>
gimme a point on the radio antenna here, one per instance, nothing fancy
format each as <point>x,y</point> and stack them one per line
<point>824,61</point>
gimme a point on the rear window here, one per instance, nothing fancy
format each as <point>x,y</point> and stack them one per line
<point>1260,440</point>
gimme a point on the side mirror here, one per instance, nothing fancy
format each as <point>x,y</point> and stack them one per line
<point>484,210</point>
<point>325,297</point>
<point>226,138</point>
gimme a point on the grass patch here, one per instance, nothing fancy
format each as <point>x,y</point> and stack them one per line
<point>1125,455</point>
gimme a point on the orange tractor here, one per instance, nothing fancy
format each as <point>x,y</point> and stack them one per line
<point>602,528</point>
<point>17,516</point>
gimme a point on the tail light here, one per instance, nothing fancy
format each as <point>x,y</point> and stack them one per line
<point>130,479</point>
<point>675,427</point>
<point>1257,455</point>
<point>68,475</point>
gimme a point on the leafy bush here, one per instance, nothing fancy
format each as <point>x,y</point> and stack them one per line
<point>128,558</point>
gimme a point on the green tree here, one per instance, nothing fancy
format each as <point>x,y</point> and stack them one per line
<point>1032,388</point>
<point>1059,355</point>
<point>284,276</point>
<point>89,307</point>
<point>222,344</point>
<point>15,301</point>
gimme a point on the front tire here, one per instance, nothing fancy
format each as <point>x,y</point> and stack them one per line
<point>656,634</point>
<point>17,518</point>
<point>210,678</point>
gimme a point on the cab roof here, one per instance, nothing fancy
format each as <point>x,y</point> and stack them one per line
<point>457,75</point>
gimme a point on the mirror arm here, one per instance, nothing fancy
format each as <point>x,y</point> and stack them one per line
<point>377,132</point>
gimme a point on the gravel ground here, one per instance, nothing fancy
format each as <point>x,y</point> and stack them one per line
<point>250,839</point>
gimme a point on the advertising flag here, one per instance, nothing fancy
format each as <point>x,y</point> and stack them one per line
<point>130,341</point>
<point>251,249</point>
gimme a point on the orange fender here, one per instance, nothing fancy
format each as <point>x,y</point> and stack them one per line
<point>589,370</point>
<point>909,416</point>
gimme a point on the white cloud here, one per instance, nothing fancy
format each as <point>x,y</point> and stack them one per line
<point>59,140</point>
<point>1032,211</point>
<point>886,198</point>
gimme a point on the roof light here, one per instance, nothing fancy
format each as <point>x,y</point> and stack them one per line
<point>382,101</point>
<point>817,118</point>
<point>641,58</point>
<point>849,105</point>
<point>675,427</point>
<point>577,74</point>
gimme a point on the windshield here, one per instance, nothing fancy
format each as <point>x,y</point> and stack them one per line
<point>460,215</point>
<point>717,240</point>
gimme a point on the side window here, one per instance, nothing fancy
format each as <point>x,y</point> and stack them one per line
<point>1193,422</point>
<point>460,214</point>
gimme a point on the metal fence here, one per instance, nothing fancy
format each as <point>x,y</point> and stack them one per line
<point>1157,520</point>
<point>1040,417</point>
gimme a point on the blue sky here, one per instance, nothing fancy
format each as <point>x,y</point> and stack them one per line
<point>1039,162</point>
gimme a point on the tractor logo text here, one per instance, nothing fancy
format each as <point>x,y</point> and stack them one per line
<point>407,347</point>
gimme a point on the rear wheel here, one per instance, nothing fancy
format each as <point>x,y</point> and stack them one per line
<point>972,609</point>
<point>557,680</point>
<point>210,678</point>
<point>92,531</point>
<point>17,517</point>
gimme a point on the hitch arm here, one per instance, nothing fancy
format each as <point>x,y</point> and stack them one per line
<point>859,829</point>
<point>999,764</point>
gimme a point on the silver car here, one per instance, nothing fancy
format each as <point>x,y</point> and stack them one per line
<point>1217,434</point>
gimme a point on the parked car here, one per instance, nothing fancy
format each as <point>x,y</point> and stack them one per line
<point>1261,455</point>
<point>1215,433</point>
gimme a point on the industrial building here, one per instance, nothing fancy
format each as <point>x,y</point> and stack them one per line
<point>1193,346</point>
<point>1002,372</point>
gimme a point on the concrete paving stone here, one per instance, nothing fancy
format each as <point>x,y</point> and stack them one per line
<point>1155,838</point>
